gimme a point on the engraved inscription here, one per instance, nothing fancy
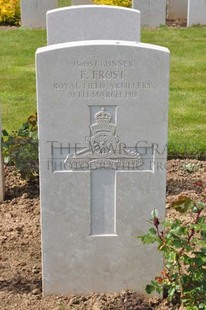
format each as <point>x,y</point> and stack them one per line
<point>102,75</point>
<point>104,64</point>
<point>105,150</point>
<point>102,79</point>
<point>95,90</point>
<point>100,86</point>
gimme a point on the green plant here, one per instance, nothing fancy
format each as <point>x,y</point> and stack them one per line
<point>190,167</point>
<point>125,3</point>
<point>62,3</point>
<point>184,250</point>
<point>10,12</point>
<point>61,306</point>
<point>21,148</point>
<point>17,72</point>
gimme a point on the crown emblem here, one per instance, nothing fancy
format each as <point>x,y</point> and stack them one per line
<point>104,151</point>
<point>103,119</point>
<point>102,116</point>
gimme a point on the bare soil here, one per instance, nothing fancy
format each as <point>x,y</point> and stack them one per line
<point>176,23</point>
<point>20,251</point>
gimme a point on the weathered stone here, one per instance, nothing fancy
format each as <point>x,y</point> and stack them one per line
<point>196,12</point>
<point>81,2</point>
<point>92,23</point>
<point>33,12</point>
<point>153,12</point>
<point>102,112</point>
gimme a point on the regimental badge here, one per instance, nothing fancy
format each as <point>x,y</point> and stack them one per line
<point>105,150</point>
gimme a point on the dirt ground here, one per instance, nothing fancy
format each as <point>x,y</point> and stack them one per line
<point>20,251</point>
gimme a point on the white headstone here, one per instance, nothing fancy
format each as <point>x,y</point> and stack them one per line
<point>177,9</point>
<point>153,12</point>
<point>33,12</point>
<point>81,2</point>
<point>98,22</point>
<point>102,112</point>
<point>196,12</point>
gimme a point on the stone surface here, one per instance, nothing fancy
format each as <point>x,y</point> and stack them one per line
<point>2,185</point>
<point>81,2</point>
<point>102,109</point>
<point>177,9</point>
<point>153,12</point>
<point>33,12</point>
<point>92,23</point>
<point>196,12</point>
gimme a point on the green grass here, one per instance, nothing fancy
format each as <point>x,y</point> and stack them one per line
<point>187,115</point>
<point>64,3</point>
<point>17,74</point>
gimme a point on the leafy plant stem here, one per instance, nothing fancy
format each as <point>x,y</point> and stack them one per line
<point>183,246</point>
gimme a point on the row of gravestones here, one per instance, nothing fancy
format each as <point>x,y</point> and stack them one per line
<point>192,10</point>
<point>153,12</point>
<point>102,118</point>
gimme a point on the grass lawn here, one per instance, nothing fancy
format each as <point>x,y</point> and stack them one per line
<point>17,74</point>
<point>187,116</point>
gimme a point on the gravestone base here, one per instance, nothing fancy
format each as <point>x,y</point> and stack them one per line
<point>79,262</point>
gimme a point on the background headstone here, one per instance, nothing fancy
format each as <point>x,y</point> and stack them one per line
<point>81,2</point>
<point>102,112</point>
<point>196,12</point>
<point>153,12</point>
<point>92,23</point>
<point>177,9</point>
<point>33,12</point>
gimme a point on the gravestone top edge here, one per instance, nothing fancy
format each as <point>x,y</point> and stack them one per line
<point>91,6</point>
<point>92,22</point>
<point>101,43</point>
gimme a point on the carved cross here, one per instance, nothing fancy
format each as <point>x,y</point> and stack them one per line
<point>103,157</point>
